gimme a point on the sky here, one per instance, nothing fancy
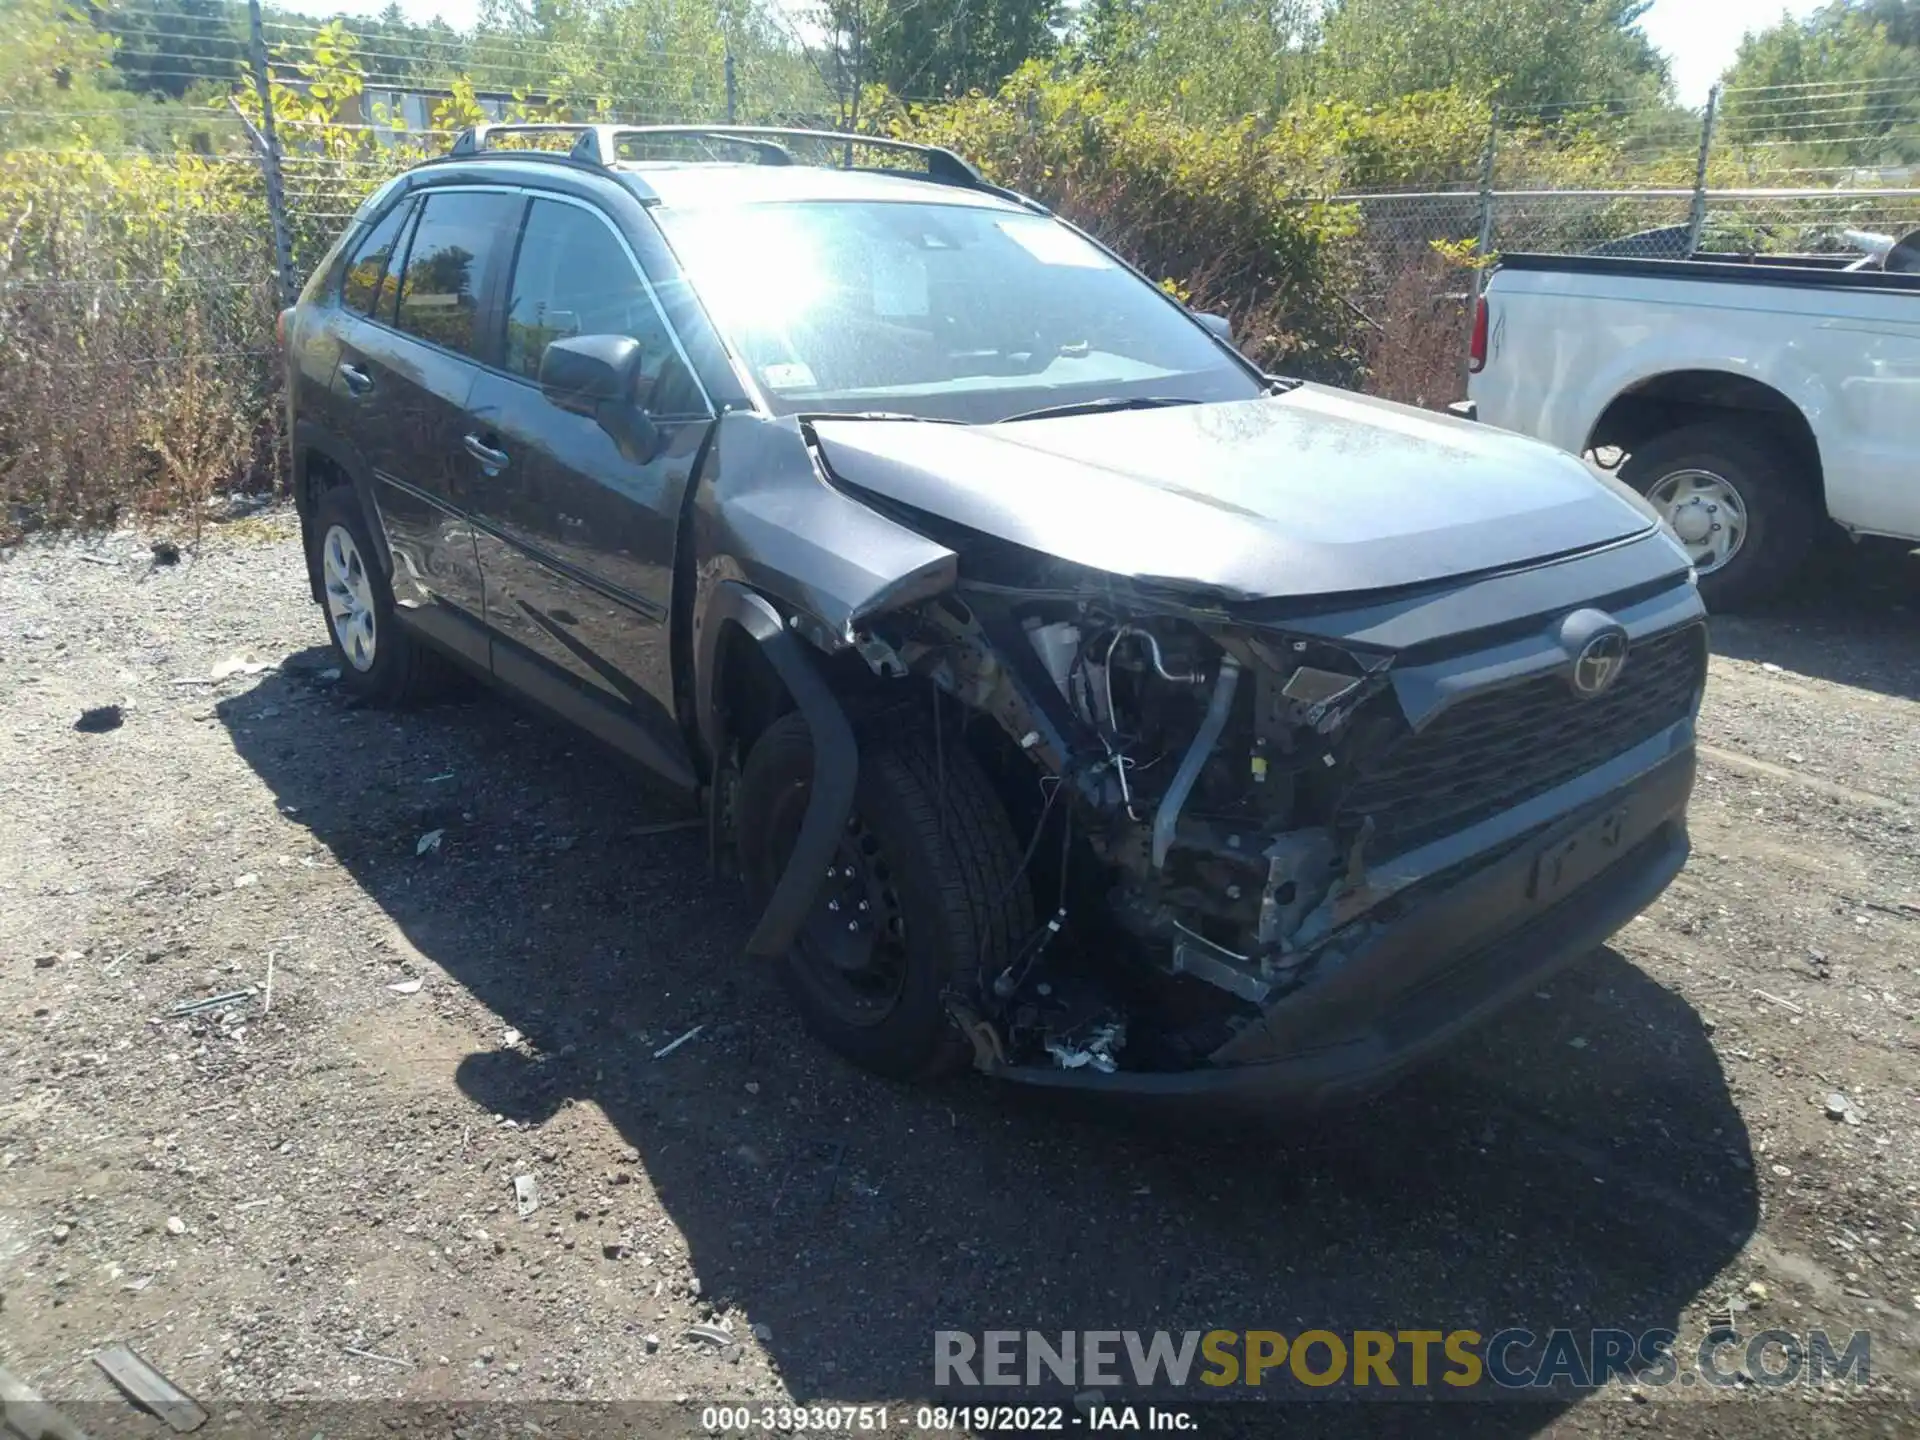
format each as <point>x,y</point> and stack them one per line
<point>1699,36</point>
<point>1702,36</point>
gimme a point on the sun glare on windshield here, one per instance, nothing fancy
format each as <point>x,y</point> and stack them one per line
<point>768,272</point>
<point>962,312</point>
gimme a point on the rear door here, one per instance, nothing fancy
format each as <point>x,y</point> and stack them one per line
<point>330,305</point>
<point>407,367</point>
<point>577,539</point>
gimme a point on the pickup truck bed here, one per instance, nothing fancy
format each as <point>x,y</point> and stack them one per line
<point>1748,396</point>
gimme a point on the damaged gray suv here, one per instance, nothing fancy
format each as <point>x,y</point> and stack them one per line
<point>1080,704</point>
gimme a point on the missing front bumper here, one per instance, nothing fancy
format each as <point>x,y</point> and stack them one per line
<point>1446,960</point>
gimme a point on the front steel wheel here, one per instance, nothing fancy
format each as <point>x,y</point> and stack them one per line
<point>851,952</point>
<point>922,903</point>
<point>1706,513</point>
<point>1742,501</point>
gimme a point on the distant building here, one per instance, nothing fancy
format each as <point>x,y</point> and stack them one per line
<point>392,111</point>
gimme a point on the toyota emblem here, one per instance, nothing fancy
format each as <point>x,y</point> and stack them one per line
<point>1599,664</point>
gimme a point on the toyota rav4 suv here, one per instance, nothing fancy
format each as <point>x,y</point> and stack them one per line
<point>1078,703</point>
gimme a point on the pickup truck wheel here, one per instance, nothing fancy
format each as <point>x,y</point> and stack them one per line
<point>379,661</point>
<point>1743,516</point>
<point>923,896</point>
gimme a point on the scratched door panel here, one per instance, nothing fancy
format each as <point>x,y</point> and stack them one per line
<point>577,546</point>
<point>414,373</point>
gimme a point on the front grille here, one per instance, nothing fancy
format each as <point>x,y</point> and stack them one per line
<point>1490,752</point>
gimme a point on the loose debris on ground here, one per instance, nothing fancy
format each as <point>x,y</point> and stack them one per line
<point>149,1389</point>
<point>1712,1120</point>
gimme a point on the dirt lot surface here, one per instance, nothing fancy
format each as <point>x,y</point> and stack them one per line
<point>317,1199</point>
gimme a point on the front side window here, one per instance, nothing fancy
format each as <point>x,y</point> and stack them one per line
<point>440,289</point>
<point>573,277</point>
<point>369,278</point>
<point>948,311</point>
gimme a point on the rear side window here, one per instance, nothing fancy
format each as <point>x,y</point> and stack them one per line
<point>368,276</point>
<point>446,262</point>
<point>574,277</point>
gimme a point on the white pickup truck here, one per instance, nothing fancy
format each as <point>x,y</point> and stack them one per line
<point>1748,397</point>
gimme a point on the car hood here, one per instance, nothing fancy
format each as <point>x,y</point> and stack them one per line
<point>1312,492</point>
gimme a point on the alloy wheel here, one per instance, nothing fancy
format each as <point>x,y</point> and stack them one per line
<point>349,598</point>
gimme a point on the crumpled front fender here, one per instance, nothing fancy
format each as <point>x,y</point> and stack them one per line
<point>764,513</point>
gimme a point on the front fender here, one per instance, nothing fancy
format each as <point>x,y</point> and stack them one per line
<point>771,537</point>
<point>836,760</point>
<point>764,513</point>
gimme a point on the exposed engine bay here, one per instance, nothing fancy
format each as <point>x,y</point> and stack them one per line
<point>1189,777</point>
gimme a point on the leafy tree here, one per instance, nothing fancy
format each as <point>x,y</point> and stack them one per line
<point>631,59</point>
<point>1840,88</point>
<point>1205,59</point>
<point>399,50</point>
<point>921,48</point>
<point>165,46</point>
<point>926,47</point>
<point>55,76</point>
<point>1524,53</point>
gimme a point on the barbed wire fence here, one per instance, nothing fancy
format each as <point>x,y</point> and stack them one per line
<point>139,279</point>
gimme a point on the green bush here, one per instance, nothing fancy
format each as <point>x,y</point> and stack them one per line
<point>137,367</point>
<point>1429,140</point>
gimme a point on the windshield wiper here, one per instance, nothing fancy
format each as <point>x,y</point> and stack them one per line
<point>1100,407</point>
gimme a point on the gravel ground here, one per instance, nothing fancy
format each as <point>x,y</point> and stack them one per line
<point>316,1199</point>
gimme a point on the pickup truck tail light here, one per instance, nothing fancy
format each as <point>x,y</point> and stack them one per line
<point>1477,354</point>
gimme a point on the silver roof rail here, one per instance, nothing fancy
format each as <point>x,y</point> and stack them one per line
<point>770,145</point>
<point>473,140</point>
<point>598,145</point>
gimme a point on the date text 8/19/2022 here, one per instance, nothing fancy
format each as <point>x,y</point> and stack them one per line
<point>923,1419</point>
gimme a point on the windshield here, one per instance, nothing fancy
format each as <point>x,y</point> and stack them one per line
<point>948,312</point>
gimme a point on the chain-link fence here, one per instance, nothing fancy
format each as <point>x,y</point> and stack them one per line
<point>1776,170</point>
<point>1654,224</point>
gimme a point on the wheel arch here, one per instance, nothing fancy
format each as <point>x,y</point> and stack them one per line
<point>321,462</point>
<point>1675,399</point>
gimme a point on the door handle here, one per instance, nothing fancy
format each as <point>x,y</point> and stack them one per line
<point>491,460</point>
<point>358,381</point>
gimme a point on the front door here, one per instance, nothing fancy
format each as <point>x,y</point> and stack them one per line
<point>577,539</point>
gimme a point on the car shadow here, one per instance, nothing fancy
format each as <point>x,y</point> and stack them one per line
<point>1581,1164</point>
<point>1848,616</point>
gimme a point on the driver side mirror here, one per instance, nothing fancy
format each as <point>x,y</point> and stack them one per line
<point>596,376</point>
<point>1218,326</point>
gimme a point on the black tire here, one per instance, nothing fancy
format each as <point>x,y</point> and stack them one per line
<point>404,671</point>
<point>1783,516</point>
<point>953,870</point>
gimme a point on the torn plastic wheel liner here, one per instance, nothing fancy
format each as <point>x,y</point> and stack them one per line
<point>836,761</point>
